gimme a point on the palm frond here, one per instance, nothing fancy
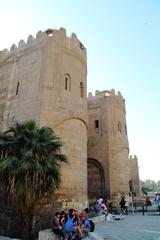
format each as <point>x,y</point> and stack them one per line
<point>30,161</point>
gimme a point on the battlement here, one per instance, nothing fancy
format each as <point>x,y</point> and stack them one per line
<point>133,157</point>
<point>41,38</point>
<point>105,94</point>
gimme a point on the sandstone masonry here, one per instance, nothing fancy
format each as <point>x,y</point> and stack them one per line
<point>109,168</point>
<point>45,79</point>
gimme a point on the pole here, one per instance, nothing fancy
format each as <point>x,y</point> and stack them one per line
<point>132,203</point>
<point>143,209</point>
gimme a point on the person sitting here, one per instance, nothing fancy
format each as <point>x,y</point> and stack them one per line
<point>56,227</point>
<point>110,207</point>
<point>95,209</point>
<point>84,224</point>
<point>99,200</point>
<point>148,201</point>
<point>122,204</point>
<point>104,209</point>
<point>69,224</point>
<point>62,218</point>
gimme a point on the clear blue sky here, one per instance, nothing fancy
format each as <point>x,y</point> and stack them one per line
<point>122,38</point>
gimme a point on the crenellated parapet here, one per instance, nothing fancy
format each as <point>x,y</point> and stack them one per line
<point>133,160</point>
<point>105,94</point>
<point>133,157</point>
<point>42,38</point>
<point>133,166</point>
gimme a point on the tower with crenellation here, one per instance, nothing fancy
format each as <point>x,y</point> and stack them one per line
<point>134,175</point>
<point>108,146</point>
<point>45,79</point>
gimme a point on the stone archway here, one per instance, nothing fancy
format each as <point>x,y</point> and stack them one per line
<point>96,179</point>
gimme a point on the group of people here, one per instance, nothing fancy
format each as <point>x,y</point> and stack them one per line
<point>107,206</point>
<point>68,225</point>
<point>72,225</point>
<point>148,201</point>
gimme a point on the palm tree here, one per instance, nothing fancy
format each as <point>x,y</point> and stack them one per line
<point>29,166</point>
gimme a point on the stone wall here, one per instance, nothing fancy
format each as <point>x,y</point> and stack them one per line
<point>45,79</point>
<point>107,139</point>
<point>134,173</point>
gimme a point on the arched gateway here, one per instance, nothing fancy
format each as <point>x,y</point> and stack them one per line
<point>96,180</point>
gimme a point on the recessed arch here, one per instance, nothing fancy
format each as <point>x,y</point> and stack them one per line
<point>96,178</point>
<point>68,119</point>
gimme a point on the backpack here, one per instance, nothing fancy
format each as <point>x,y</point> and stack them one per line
<point>92,226</point>
<point>68,226</point>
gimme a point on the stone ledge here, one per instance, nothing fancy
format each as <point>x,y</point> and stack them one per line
<point>48,234</point>
<point>94,236</point>
<point>98,219</point>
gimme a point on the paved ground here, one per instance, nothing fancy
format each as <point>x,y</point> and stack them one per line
<point>133,227</point>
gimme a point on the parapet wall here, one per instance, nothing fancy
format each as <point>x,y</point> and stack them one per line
<point>41,37</point>
<point>133,158</point>
<point>105,94</point>
<point>37,64</point>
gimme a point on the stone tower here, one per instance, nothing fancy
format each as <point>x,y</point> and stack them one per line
<point>108,163</point>
<point>134,175</point>
<point>45,79</point>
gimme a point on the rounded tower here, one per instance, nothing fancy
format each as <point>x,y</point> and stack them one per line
<point>107,145</point>
<point>64,108</point>
<point>119,174</point>
<point>45,79</point>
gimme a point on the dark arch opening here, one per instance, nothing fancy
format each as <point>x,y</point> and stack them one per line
<point>96,179</point>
